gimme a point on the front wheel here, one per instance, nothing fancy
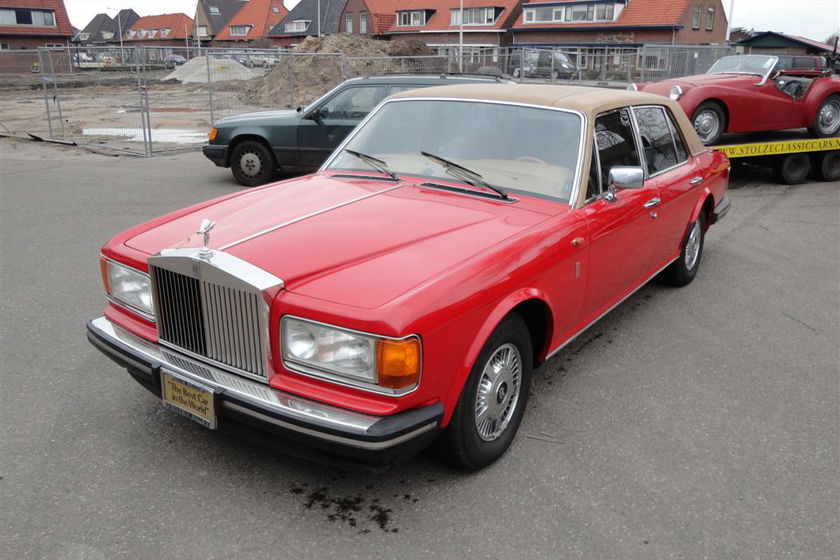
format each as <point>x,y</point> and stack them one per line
<point>709,122</point>
<point>252,164</point>
<point>683,270</point>
<point>827,120</point>
<point>494,397</point>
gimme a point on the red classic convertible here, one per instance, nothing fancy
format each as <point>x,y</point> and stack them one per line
<point>751,93</point>
<point>458,238</point>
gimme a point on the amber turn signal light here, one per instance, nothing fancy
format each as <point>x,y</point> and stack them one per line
<point>103,269</point>
<point>213,133</point>
<point>398,363</point>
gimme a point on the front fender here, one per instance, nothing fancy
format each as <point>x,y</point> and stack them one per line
<point>499,312</point>
<point>820,89</point>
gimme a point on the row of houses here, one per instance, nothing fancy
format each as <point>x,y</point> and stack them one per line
<point>441,24</point>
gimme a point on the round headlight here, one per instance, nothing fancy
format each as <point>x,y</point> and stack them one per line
<point>676,93</point>
<point>633,87</point>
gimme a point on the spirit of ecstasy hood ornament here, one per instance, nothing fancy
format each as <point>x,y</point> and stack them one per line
<point>204,229</point>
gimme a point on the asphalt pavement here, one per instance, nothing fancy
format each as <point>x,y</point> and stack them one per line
<point>701,422</point>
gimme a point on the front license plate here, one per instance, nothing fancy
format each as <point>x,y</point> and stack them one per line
<point>187,398</point>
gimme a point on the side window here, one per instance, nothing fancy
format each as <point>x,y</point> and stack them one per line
<point>657,140</point>
<point>398,89</point>
<point>679,144</point>
<point>593,187</point>
<point>615,141</point>
<point>353,103</point>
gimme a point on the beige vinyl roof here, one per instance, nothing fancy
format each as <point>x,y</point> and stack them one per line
<point>588,100</point>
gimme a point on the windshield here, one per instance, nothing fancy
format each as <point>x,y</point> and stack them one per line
<point>519,149</point>
<point>744,64</point>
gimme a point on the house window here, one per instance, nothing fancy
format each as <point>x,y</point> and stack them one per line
<point>202,31</point>
<point>83,36</point>
<point>411,19</point>
<point>239,30</point>
<point>348,23</point>
<point>39,18</point>
<point>604,12</point>
<point>363,23</point>
<point>4,47</point>
<point>297,26</point>
<point>214,10</point>
<point>275,9</point>
<point>710,19</point>
<point>695,21</point>
<point>473,16</point>
<point>164,33</point>
<point>579,12</point>
<point>107,35</point>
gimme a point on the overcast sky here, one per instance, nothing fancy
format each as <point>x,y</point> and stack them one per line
<point>816,19</point>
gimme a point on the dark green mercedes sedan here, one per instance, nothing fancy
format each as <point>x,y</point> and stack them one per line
<point>257,145</point>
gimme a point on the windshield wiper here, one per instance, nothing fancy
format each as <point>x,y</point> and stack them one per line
<point>376,163</point>
<point>468,175</point>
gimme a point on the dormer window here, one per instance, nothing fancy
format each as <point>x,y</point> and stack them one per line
<point>415,18</point>
<point>473,16</point>
<point>214,10</point>
<point>107,35</point>
<point>240,30</point>
<point>164,33</point>
<point>297,26</point>
<point>570,14</point>
<point>83,36</point>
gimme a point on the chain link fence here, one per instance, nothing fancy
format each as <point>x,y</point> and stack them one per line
<point>147,100</point>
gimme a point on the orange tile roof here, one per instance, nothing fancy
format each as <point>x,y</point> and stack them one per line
<point>62,26</point>
<point>259,15</point>
<point>637,13</point>
<point>181,26</point>
<point>440,20</point>
<point>383,15</point>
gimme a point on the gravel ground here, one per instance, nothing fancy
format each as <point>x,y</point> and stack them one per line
<point>689,423</point>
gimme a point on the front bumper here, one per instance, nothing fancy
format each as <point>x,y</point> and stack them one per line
<point>259,413</point>
<point>216,154</point>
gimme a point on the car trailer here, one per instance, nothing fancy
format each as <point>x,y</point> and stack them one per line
<point>792,160</point>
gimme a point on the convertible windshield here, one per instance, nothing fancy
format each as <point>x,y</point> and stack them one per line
<point>519,149</point>
<point>744,64</point>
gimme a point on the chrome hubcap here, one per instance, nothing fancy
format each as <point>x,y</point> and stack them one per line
<point>829,118</point>
<point>250,164</point>
<point>498,392</point>
<point>692,246</point>
<point>707,125</point>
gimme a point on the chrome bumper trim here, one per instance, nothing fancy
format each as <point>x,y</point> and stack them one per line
<point>315,414</point>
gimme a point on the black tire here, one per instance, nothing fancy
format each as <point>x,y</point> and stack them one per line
<point>468,449</point>
<point>827,120</point>
<point>252,163</point>
<point>792,169</point>
<point>682,271</point>
<point>703,121</point>
<point>827,166</point>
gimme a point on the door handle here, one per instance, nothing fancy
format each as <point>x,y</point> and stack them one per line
<point>652,202</point>
<point>696,180</point>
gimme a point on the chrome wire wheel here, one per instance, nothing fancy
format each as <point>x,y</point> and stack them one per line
<point>692,246</point>
<point>251,164</point>
<point>707,124</point>
<point>828,119</point>
<point>498,392</point>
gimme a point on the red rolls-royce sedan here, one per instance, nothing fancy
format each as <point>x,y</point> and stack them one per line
<point>459,237</point>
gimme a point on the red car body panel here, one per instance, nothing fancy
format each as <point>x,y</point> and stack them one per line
<point>749,107</point>
<point>449,266</point>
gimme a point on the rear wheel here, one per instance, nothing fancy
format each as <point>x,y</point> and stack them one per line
<point>252,163</point>
<point>827,120</point>
<point>827,165</point>
<point>683,270</point>
<point>493,400</point>
<point>792,169</point>
<point>709,121</point>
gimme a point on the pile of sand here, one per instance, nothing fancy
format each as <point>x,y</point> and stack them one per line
<point>315,66</point>
<point>221,70</point>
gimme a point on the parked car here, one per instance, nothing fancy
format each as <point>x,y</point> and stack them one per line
<point>173,60</point>
<point>256,145</point>
<point>752,93</point>
<point>536,63</point>
<point>455,240</point>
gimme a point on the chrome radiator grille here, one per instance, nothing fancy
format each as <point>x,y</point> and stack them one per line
<point>210,320</point>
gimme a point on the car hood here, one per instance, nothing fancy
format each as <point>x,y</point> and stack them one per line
<point>260,115</point>
<point>357,242</point>
<point>728,80</point>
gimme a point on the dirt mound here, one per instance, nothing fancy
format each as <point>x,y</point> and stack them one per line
<point>221,70</point>
<point>316,65</point>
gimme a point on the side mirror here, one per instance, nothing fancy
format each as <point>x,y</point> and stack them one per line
<point>624,178</point>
